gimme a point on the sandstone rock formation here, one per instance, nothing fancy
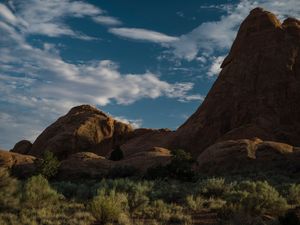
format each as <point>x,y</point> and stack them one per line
<point>257,93</point>
<point>237,156</point>
<point>90,165</point>
<point>23,165</point>
<point>83,128</point>
<point>142,139</point>
<point>22,147</point>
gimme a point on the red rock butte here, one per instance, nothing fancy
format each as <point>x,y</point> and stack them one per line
<point>257,93</point>
<point>249,119</point>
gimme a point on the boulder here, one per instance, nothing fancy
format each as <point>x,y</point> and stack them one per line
<point>83,128</point>
<point>22,147</point>
<point>21,165</point>
<point>238,156</point>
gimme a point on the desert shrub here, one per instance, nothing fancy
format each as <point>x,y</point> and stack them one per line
<point>157,172</point>
<point>180,166</point>
<point>137,200</point>
<point>64,213</point>
<point>108,207</point>
<point>294,194</point>
<point>213,187</point>
<point>170,190</point>
<point>48,165</point>
<point>214,203</point>
<point>37,193</point>
<point>9,188</point>
<point>167,213</point>
<point>122,172</point>
<point>67,189</point>
<point>117,154</point>
<point>195,203</point>
<point>77,191</point>
<point>255,198</point>
<point>290,218</point>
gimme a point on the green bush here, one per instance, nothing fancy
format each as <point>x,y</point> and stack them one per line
<point>195,203</point>
<point>256,198</point>
<point>108,207</point>
<point>167,213</point>
<point>48,165</point>
<point>37,193</point>
<point>294,194</point>
<point>122,172</point>
<point>137,200</point>
<point>117,154</point>
<point>9,187</point>
<point>213,187</point>
<point>181,165</point>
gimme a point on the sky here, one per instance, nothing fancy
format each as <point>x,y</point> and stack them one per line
<point>149,63</point>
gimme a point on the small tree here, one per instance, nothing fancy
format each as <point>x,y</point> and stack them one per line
<point>48,165</point>
<point>181,165</point>
<point>116,154</point>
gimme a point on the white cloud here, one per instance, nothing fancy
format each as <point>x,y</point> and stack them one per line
<point>107,20</point>
<point>48,17</point>
<point>143,35</point>
<point>42,85</point>
<point>212,38</point>
<point>215,67</point>
<point>217,36</point>
<point>135,123</point>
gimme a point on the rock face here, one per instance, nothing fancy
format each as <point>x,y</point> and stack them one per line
<point>83,128</point>
<point>141,139</point>
<point>238,156</point>
<point>257,93</point>
<point>22,147</point>
<point>22,165</point>
<point>90,165</point>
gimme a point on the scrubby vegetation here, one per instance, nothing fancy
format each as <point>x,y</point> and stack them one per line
<point>234,200</point>
<point>180,167</point>
<point>48,165</point>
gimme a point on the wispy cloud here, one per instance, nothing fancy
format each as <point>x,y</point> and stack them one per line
<point>215,67</point>
<point>143,35</point>
<point>48,17</point>
<point>135,123</point>
<point>41,84</point>
<point>214,38</point>
<point>107,20</point>
<point>208,42</point>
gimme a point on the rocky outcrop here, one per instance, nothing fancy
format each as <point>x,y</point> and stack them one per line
<point>257,93</point>
<point>238,156</point>
<point>90,165</point>
<point>83,128</point>
<point>22,147</point>
<point>142,139</point>
<point>21,165</point>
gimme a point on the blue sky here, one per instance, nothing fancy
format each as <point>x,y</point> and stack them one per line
<point>150,63</point>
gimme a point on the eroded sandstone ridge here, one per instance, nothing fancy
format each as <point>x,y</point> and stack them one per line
<point>83,128</point>
<point>257,93</point>
<point>250,119</point>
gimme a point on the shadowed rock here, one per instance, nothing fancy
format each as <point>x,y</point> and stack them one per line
<point>21,165</point>
<point>90,165</point>
<point>257,93</point>
<point>22,147</point>
<point>237,156</point>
